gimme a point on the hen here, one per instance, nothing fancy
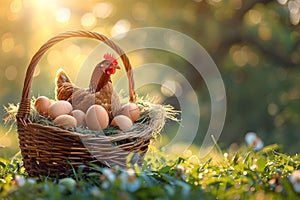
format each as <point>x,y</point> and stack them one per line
<point>100,90</point>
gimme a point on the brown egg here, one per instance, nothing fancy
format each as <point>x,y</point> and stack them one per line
<point>96,118</point>
<point>59,108</point>
<point>65,121</point>
<point>79,115</point>
<point>42,105</point>
<point>130,110</point>
<point>123,122</point>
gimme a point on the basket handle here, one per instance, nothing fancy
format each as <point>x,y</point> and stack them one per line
<point>24,107</point>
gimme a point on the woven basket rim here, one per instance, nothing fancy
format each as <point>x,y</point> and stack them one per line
<point>93,133</point>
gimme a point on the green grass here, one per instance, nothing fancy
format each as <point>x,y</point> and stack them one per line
<point>238,174</point>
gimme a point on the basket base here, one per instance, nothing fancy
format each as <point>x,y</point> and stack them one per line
<point>54,152</point>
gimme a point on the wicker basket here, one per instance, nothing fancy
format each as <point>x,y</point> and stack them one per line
<point>52,151</point>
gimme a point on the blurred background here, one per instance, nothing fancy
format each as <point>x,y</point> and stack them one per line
<point>255,44</point>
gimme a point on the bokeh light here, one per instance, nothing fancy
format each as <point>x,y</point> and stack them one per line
<point>120,28</point>
<point>243,55</point>
<point>294,8</point>
<point>88,20</point>
<point>63,15</point>
<point>8,42</point>
<point>103,10</point>
<point>295,18</point>
<point>282,1</point>
<point>16,6</point>
<point>264,32</point>
<point>272,109</point>
<point>254,16</point>
<point>11,73</point>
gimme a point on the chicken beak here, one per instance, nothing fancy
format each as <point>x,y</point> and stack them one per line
<point>116,67</point>
<point>112,69</point>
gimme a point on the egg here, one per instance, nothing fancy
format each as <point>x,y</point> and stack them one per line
<point>65,121</point>
<point>79,116</point>
<point>42,105</point>
<point>96,118</point>
<point>130,110</point>
<point>59,108</point>
<point>123,122</point>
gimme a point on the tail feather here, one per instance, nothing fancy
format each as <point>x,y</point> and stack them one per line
<point>63,82</point>
<point>61,77</point>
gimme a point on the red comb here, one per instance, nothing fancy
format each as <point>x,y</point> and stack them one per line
<point>110,57</point>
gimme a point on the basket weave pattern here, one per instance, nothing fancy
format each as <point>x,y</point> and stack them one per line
<point>51,151</point>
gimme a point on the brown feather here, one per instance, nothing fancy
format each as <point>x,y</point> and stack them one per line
<point>82,99</point>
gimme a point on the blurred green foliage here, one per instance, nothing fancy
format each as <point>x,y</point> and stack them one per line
<point>254,43</point>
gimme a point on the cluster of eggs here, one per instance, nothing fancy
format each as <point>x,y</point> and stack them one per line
<point>95,118</point>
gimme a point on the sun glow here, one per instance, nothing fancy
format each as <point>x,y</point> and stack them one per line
<point>42,3</point>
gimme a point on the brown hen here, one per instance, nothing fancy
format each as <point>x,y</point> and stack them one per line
<point>100,90</point>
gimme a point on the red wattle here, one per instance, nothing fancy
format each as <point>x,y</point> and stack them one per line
<point>111,71</point>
